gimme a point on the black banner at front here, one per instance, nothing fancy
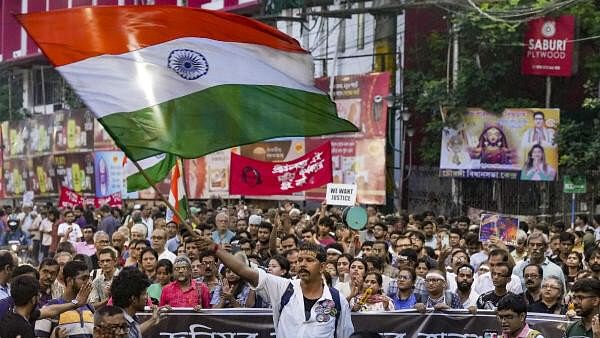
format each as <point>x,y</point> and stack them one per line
<point>238,323</point>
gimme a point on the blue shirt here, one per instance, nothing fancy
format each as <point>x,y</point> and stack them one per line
<point>4,291</point>
<point>408,303</point>
<point>225,239</point>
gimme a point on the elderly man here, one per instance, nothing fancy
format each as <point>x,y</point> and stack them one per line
<point>185,291</point>
<point>139,231</point>
<point>109,322</point>
<point>222,235</point>
<point>537,244</point>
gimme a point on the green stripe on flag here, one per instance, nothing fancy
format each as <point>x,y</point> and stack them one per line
<point>222,117</point>
<point>158,173</point>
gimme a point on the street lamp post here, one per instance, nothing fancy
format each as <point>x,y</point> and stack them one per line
<point>404,117</point>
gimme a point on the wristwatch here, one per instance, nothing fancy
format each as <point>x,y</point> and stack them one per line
<point>75,302</point>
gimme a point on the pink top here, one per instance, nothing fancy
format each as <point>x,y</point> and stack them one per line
<point>85,249</point>
<point>173,295</point>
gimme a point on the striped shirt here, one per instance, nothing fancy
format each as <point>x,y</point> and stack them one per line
<point>79,323</point>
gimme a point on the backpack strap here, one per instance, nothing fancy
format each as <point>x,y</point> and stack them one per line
<point>335,295</point>
<point>285,298</point>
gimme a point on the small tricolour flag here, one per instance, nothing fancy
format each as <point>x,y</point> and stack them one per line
<point>184,81</point>
<point>177,196</point>
<point>156,167</point>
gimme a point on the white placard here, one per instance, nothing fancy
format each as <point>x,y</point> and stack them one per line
<point>341,194</point>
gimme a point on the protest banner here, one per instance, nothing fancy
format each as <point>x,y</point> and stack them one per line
<point>252,177</point>
<point>69,198</point>
<point>549,46</point>
<point>341,194</point>
<point>259,323</point>
<point>516,144</point>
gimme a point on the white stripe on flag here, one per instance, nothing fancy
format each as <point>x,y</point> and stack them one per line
<point>139,79</point>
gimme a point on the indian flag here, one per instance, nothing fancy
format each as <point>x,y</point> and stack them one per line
<point>156,167</point>
<point>184,81</point>
<point>177,196</point>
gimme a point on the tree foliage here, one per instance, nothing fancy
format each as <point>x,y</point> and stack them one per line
<point>489,77</point>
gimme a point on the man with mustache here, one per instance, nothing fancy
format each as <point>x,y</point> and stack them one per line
<point>586,298</point>
<point>313,309</point>
<point>537,244</point>
<point>511,315</point>
<point>593,261</point>
<point>48,272</point>
<point>464,281</point>
<point>533,275</point>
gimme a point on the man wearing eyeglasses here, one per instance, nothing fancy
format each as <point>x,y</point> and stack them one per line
<point>586,298</point>
<point>500,277</point>
<point>511,315</point>
<point>438,298</point>
<point>109,322</point>
<point>185,291</point>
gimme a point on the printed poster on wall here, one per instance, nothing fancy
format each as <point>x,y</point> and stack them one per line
<point>355,161</point>
<point>18,136</point>
<point>42,176</point>
<point>516,144</point>
<point>102,140</point>
<point>108,168</point>
<point>76,172</point>
<point>73,131</point>
<point>15,176</point>
<point>208,176</point>
<point>41,136</point>
<point>358,158</point>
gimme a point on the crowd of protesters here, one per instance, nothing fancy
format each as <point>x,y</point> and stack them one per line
<point>86,272</point>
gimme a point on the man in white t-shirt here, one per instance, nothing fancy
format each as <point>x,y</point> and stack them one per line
<point>69,231</point>
<point>311,310</point>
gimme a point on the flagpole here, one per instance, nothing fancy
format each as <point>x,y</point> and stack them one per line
<point>169,205</point>
<point>185,188</point>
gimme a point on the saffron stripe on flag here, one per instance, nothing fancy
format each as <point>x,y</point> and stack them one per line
<point>121,29</point>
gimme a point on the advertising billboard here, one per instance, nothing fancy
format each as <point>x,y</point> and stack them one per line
<point>515,144</point>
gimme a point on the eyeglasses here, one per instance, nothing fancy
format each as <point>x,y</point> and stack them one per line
<point>431,281</point>
<point>181,268</point>
<point>579,298</point>
<point>401,277</point>
<point>158,237</point>
<point>531,276</point>
<point>550,287</point>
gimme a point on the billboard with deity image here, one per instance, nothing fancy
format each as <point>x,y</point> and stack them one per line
<point>515,144</point>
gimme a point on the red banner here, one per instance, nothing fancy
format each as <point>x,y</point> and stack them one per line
<point>252,177</point>
<point>69,199</point>
<point>549,46</point>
